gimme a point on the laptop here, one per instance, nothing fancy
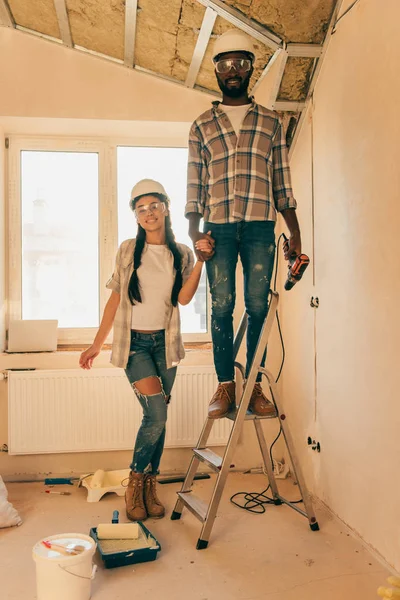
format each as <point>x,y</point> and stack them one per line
<point>32,336</point>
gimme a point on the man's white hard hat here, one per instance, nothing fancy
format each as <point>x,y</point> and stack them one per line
<point>147,186</point>
<point>233,40</point>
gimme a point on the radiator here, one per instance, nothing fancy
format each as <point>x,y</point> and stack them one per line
<point>72,410</point>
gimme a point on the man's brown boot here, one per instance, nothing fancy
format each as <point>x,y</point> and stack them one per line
<point>153,505</point>
<point>135,508</point>
<point>259,404</point>
<point>223,401</point>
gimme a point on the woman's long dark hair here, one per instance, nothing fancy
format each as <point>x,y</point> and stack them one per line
<point>134,285</point>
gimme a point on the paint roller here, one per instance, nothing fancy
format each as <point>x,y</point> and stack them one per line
<point>118,531</point>
<point>394,592</point>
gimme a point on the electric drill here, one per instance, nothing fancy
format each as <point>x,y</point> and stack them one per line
<point>297,265</point>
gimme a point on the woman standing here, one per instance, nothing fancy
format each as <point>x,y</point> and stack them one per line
<point>153,273</point>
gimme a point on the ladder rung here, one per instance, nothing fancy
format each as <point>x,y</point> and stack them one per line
<point>250,417</point>
<point>209,457</point>
<point>196,506</point>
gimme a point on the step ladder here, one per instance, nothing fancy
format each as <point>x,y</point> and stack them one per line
<point>207,513</point>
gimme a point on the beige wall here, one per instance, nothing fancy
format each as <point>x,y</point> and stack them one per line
<point>2,238</point>
<point>55,91</point>
<point>44,79</point>
<point>357,218</point>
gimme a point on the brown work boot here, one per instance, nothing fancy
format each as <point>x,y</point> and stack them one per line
<point>223,401</point>
<point>259,404</point>
<point>135,508</point>
<point>153,505</point>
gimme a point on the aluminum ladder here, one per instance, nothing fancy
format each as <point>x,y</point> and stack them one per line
<point>206,513</point>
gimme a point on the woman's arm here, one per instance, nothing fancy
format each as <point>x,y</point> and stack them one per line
<point>189,288</point>
<point>87,357</point>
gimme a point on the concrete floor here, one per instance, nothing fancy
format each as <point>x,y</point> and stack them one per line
<point>250,557</point>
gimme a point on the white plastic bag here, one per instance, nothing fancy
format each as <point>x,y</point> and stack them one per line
<point>8,515</point>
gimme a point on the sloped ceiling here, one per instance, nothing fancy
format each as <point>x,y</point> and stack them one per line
<point>167,32</point>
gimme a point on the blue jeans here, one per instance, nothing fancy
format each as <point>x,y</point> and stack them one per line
<point>147,359</point>
<point>254,242</point>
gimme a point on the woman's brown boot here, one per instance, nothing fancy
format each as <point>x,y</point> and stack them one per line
<point>153,505</point>
<point>135,507</point>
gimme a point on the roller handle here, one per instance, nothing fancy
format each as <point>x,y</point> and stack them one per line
<point>115,517</point>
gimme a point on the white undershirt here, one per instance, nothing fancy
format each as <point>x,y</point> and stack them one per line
<point>156,278</point>
<point>235,114</point>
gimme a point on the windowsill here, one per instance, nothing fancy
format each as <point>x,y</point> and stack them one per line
<point>31,359</point>
<point>107,347</point>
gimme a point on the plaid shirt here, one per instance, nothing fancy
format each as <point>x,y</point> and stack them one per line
<point>245,178</point>
<point>119,282</point>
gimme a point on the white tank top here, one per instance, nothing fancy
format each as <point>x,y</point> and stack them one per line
<point>156,278</point>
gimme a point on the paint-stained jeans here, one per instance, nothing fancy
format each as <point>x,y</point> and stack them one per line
<point>254,242</point>
<point>147,359</point>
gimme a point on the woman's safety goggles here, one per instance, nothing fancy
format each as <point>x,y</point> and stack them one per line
<point>153,207</point>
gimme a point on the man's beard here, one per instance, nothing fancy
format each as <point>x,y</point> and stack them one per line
<point>234,92</point>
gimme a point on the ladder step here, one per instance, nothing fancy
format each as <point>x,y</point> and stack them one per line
<point>250,417</point>
<point>209,457</point>
<point>196,506</point>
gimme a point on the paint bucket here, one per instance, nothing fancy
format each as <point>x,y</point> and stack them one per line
<point>64,577</point>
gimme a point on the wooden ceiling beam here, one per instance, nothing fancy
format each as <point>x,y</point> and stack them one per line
<point>201,46</point>
<point>63,22</point>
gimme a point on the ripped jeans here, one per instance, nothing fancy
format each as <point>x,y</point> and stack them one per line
<point>147,359</point>
<point>254,242</point>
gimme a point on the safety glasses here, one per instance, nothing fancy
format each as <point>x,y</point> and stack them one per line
<point>238,64</point>
<point>153,207</point>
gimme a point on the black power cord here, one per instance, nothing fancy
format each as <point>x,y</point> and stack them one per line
<point>256,502</point>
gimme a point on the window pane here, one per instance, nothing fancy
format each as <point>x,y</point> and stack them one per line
<point>168,166</point>
<point>60,254</point>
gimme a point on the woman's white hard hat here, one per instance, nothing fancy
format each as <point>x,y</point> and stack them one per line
<point>147,186</point>
<point>233,40</point>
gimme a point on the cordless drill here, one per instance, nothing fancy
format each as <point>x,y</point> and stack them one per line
<point>297,265</point>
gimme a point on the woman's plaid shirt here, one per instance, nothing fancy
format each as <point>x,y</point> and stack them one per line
<point>245,178</point>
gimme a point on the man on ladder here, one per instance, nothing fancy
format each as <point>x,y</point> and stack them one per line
<point>238,179</point>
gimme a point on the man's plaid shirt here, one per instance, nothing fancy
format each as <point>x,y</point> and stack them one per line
<point>245,178</point>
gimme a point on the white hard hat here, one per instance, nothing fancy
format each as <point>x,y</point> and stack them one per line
<point>233,40</point>
<point>147,186</point>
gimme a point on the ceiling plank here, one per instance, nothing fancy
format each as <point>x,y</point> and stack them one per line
<point>316,71</point>
<point>130,32</point>
<point>267,69</point>
<point>201,46</point>
<point>6,18</point>
<point>304,50</point>
<point>276,85</point>
<point>63,22</point>
<point>249,26</point>
<point>289,105</point>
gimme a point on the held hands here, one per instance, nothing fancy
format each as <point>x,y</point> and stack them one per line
<point>203,245</point>
<point>87,357</point>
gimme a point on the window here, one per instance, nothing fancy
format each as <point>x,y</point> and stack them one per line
<point>68,212</point>
<point>60,250</point>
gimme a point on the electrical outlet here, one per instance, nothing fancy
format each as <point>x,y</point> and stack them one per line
<point>314,444</point>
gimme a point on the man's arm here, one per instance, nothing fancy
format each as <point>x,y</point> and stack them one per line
<point>289,214</point>
<point>196,192</point>
<point>283,194</point>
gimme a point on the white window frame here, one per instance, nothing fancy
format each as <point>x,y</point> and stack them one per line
<point>107,226</point>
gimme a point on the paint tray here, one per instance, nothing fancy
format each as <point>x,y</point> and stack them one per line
<point>118,553</point>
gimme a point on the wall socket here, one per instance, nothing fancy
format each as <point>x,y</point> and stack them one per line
<point>314,445</point>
